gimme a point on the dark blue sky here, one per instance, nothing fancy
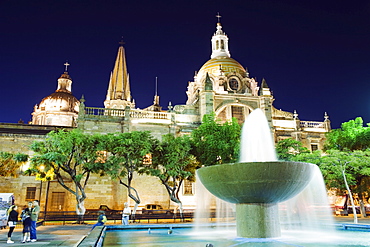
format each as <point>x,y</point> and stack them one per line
<point>314,55</point>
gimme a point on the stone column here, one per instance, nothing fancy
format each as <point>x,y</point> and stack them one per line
<point>257,220</point>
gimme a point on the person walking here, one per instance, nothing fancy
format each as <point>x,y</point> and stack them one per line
<point>126,214</point>
<point>26,220</point>
<point>34,216</point>
<point>101,220</point>
<point>12,222</point>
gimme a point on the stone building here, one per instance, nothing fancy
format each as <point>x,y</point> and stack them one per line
<point>222,85</point>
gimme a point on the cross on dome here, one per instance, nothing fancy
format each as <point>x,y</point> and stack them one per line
<point>66,64</point>
<point>218,17</point>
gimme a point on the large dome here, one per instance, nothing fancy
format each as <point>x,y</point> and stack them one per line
<point>60,101</point>
<point>227,65</point>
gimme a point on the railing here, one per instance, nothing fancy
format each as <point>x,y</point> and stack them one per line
<point>149,114</point>
<point>312,124</point>
<point>133,113</point>
<point>104,112</point>
<point>68,217</point>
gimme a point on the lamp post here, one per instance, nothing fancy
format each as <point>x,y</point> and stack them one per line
<point>42,168</point>
<point>46,199</point>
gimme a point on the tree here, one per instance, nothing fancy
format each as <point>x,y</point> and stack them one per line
<point>67,156</point>
<point>127,153</point>
<point>351,136</point>
<point>10,163</point>
<point>343,171</point>
<point>172,163</point>
<point>350,166</point>
<point>215,143</point>
<point>287,149</point>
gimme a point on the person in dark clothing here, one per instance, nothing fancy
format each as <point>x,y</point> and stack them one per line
<point>101,220</point>
<point>12,221</point>
<point>26,219</point>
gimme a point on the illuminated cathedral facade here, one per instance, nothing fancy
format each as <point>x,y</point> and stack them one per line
<point>222,85</point>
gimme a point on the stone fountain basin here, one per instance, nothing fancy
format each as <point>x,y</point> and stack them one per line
<point>256,182</point>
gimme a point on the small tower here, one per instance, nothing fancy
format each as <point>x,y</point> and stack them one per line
<point>220,46</point>
<point>264,90</point>
<point>119,94</point>
<point>156,106</point>
<point>266,100</point>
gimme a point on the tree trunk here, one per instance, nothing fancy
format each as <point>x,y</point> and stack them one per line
<point>80,211</point>
<point>362,209</point>
<point>355,220</point>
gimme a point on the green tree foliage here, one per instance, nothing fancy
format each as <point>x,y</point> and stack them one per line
<point>348,171</point>
<point>351,136</point>
<point>67,156</point>
<point>349,145</point>
<point>172,163</point>
<point>10,163</point>
<point>215,143</point>
<point>356,166</point>
<point>127,153</point>
<point>287,149</point>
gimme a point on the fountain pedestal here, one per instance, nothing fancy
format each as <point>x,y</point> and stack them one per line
<point>256,188</point>
<point>257,220</point>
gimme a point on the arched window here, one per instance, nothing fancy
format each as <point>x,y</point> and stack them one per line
<point>237,111</point>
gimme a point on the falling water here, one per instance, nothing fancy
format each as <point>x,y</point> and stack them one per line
<point>256,143</point>
<point>309,209</point>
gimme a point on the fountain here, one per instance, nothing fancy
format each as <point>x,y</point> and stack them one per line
<point>255,185</point>
<point>258,182</point>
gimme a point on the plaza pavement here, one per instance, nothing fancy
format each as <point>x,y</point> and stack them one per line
<point>70,235</point>
<point>49,235</point>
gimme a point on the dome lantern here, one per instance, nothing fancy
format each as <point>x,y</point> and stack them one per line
<point>220,45</point>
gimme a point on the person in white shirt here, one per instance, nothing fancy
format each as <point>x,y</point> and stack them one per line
<point>126,214</point>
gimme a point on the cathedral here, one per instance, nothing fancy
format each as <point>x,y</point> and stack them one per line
<point>221,85</point>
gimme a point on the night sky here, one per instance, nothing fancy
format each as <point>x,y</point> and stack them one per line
<point>314,55</point>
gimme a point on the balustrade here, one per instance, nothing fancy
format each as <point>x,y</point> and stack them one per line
<point>312,124</point>
<point>135,114</point>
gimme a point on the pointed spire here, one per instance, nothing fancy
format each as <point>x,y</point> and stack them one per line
<point>156,106</point>
<point>208,84</point>
<point>156,86</point>
<point>220,46</point>
<point>264,83</point>
<point>119,83</point>
<point>264,89</point>
<point>156,97</point>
